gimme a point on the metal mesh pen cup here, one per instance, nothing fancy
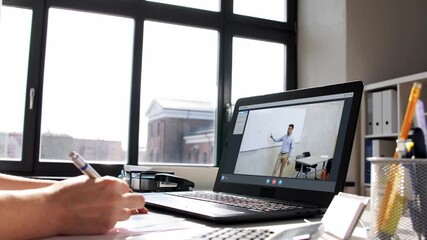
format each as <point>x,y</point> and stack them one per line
<point>398,203</point>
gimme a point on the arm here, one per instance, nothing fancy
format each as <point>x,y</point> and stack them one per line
<point>78,205</point>
<point>9,182</point>
<point>276,140</point>
<point>291,149</point>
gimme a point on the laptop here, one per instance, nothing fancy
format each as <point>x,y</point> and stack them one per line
<point>246,189</point>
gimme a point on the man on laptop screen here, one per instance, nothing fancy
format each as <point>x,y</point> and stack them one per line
<point>286,150</point>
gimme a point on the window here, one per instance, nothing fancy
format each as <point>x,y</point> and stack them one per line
<point>178,88</point>
<point>150,130</point>
<point>87,83</point>
<point>272,9</point>
<point>15,32</point>
<point>138,82</point>
<point>258,67</point>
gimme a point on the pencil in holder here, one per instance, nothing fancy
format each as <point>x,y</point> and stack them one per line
<point>400,183</point>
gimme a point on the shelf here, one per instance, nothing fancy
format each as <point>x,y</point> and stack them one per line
<point>394,82</point>
<point>403,86</point>
<point>382,136</point>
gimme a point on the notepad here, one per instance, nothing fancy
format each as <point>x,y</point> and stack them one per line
<point>343,213</point>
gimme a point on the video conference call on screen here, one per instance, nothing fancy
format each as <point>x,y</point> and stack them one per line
<point>317,123</point>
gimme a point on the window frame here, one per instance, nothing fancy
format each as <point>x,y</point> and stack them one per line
<point>225,22</point>
<point>30,117</point>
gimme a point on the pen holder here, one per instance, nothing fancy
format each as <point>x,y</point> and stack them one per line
<point>398,194</point>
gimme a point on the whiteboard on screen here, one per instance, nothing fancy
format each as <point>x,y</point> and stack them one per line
<point>264,122</point>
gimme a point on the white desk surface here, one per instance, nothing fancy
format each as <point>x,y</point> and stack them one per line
<point>156,225</point>
<point>312,160</point>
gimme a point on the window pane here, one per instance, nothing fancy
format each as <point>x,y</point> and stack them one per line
<point>15,31</point>
<point>272,9</point>
<point>211,5</point>
<point>178,94</point>
<point>87,80</point>
<point>259,67</point>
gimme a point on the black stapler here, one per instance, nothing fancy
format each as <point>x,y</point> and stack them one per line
<point>141,179</point>
<point>170,182</point>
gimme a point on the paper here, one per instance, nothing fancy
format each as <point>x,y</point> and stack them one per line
<point>145,226</point>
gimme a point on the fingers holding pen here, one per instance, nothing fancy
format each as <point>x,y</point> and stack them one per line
<point>94,203</point>
<point>132,203</point>
<point>130,200</point>
<point>143,210</point>
<point>127,193</point>
<point>133,200</point>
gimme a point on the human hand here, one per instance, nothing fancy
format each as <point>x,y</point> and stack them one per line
<point>91,206</point>
<point>143,210</point>
<point>324,175</point>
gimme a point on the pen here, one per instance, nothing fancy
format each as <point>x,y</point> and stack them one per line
<point>88,170</point>
<point>83,166</point>
<point>410,110</point>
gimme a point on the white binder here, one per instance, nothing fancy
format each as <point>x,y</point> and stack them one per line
<point>389,111</point>
<point>369,112</point>
<point>377,100</point>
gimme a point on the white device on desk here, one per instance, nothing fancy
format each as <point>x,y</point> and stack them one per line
<point>342,215</point>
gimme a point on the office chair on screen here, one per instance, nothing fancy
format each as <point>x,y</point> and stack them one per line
<point>298,167</point>
<point>314,166</point>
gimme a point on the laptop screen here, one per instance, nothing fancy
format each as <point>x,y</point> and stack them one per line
<point>296,141</point>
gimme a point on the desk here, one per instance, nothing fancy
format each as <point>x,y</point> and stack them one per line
<point>308,161</point>
<point>159,225</point>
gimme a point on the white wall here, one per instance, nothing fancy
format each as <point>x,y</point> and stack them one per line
<point>341,41</point>
<point>321,42</point>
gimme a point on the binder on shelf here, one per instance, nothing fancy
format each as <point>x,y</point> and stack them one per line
<point>377,112</point>
<point>377,148</point>
<point>368,153</point>
<point>369,112</point>
<point>389,111</point>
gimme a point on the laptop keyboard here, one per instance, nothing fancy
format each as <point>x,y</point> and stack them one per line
<point>253,204</point>
<point>235,233</point>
